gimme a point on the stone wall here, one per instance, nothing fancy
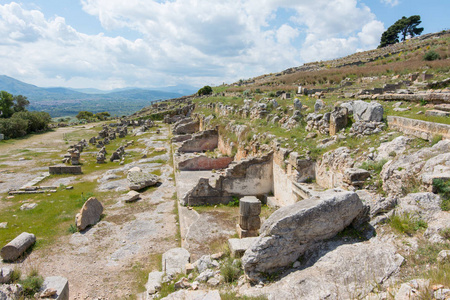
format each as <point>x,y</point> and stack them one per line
<point>204,163</point>
<point>418,128</point>
<point>249,177</point>
<point>64,169</point>
<point>202,141</point>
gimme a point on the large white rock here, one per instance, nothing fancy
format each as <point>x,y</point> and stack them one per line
<point>139,180</point>
<point>365,111</point>
<point>336,271</point>
<point>194,295</point>
<point>174,261</point>
<point>90,213</point>
<point>290,231</point>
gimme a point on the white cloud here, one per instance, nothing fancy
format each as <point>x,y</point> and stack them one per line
<point>188,41</point>
<point>391,2</point>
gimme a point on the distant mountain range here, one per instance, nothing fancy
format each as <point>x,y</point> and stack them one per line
<point>59,101</point>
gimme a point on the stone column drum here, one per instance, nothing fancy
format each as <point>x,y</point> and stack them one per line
<point>14,249</point>
<point>249,221</point>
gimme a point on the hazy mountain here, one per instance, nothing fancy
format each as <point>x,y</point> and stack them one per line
<point>59,101</point>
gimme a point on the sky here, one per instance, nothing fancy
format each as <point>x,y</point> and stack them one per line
<point>107,44</point>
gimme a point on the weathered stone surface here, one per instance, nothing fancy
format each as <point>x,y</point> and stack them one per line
<point>60,284</point>
<point>5,275</point>
<point>131,196</point>
<point>338,119</point>
<point>434,232</point>
<point>422,205</point>
<point>377,203</point>
<point>355,175</point>
<point>205,262</point>
<point>443,256</point>
<point>175,260</point>
<point>202,141</point>
<point>194,295</point>
<point>187,128</point>
<point>393,148</point>
<point>239,246</point>
<point>437,113</point>
<point>14,249</point>
<point>154,282</point>
<point>139,180</point>
<point>90,213</point>
<point>249,206</point>
<point>418,128</point>
<point>365,111</point>
<point>319,105</point>
<point>63,169</point>
<point>292,230</point>
<point>419,167</point>
<point>204,163</point>
<point>297,104</point>
<point>329,170</point>
<point>203,193</point>
<point>10,291</point>
<point>337,271</point>
<point>250,222</point>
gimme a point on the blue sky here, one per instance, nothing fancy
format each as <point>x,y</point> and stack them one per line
<point>110,44</point>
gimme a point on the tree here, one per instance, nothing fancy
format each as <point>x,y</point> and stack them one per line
<point>206,90</point>
<point>84,115</point>
<point>404,26</point>
<point>20,102</point>
<point>102,115</point>
<point>6,104</point>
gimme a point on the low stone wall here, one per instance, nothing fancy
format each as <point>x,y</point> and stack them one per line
<point>429,97</point>
<point>64,169</point>
<point>201,141</point>
<point>204,163</point>
<point>418,128</point>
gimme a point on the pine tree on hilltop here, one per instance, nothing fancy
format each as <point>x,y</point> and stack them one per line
<point>404,26</point>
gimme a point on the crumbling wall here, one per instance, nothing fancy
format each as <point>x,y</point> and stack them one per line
<point>204,163</point>
<point>252,176</point>
<point>418,128</point>
<point>202,141</point>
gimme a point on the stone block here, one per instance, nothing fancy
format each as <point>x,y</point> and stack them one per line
<point>63,169</point>
<point>250,222</point>
<point>174,261</point>
<point>239,246</point>
<point>90,213</point>
<point>242,233</point>
<point>58,283</point>
<point>154,282</point>
<point>249,206</point>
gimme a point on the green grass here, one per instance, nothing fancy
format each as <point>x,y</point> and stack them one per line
<point>407,224</point>
<point>442,187</point>
<point>231,271</point>
<point>50,219</point>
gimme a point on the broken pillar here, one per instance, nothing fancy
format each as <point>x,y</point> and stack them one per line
<point>249,221</point>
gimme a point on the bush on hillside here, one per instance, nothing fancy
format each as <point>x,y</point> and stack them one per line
<point>13,127</point>
<point>431,55</point>
<point>206,90</point>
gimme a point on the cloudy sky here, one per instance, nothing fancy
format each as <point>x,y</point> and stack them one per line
<point>110,44</point>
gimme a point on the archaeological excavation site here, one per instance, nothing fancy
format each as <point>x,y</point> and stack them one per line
<point>326,181</point>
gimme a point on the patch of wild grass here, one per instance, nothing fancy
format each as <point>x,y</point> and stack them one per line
<point>407,224</point>
<point>442,187</point>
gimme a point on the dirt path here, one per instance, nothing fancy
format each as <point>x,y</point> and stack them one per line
<point>111,259</point>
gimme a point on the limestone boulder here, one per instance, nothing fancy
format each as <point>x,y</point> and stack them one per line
<point>336,271</point>
<point>139,180</point>
<point>5,275</point>
<point>425,206</point>
<point>174,260</point>
<point>131,196</point>
<point>90,214</point>
<point>436,227</point>
<point>367,111</point>
<point>290,231</point>
<point>393,148</point>
<point>154,282</point>
<point>193,295</point>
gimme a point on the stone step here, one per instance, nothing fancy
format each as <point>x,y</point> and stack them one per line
<point>443,107</point>
<point>437,113</point>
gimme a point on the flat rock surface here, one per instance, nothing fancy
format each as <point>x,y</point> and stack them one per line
<point>336,271</point>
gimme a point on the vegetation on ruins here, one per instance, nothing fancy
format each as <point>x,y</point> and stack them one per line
<point>206,90</point>
<point>404,27</point>
<point>16,121</point>
<point>87,115</point>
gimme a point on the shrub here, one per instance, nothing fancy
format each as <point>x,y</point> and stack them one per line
<point>32,284</point>
<point>206,90</point>
<point>37,120</point>
<point>431,55</point>
<point>13,127</point>
<point>442,187</point>
<point>230,271</point>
